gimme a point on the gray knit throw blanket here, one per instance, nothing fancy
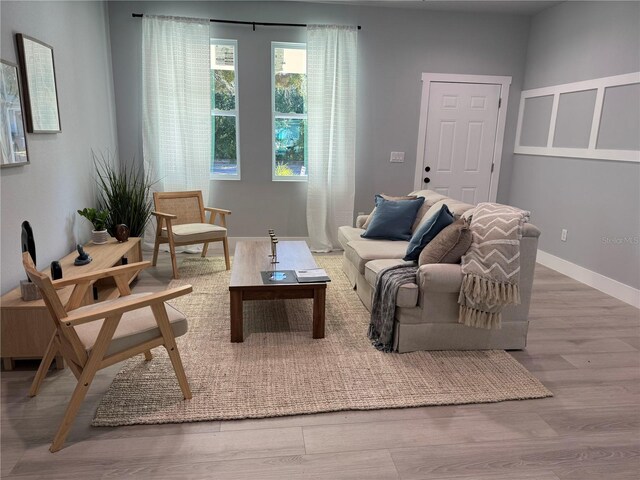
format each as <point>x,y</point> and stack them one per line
<point>491,266</point>
<point>383,308</point>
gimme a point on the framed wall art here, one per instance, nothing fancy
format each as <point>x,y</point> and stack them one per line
<point>39,85</point>
<point>13,141</point>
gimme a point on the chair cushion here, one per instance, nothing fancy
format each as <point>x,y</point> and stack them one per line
<point>407,293</point>
<point>392,220</point>
<point>428,231</point>
<point>135,327</point>
<point>196,232</point>
<point>359,252</point>
<point>449,245</point>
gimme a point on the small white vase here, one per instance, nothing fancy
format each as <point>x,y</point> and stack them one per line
<point>99,236</point>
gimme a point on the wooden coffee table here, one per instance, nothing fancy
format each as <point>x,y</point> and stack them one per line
<point>252,257</point>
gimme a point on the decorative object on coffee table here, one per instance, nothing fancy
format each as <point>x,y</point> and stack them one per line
<point>122,232</point>
<point>83,257</point>
<point>39,85</point>
<point>98,218</point>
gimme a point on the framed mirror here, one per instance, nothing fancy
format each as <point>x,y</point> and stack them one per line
<point>39,85</point>
<point>13,141</point>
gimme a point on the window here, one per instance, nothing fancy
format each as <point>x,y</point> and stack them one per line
<point>225,152</point>
<point>289,105</point>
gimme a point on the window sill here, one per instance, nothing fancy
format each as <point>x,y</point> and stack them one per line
<point>298,179</point>
<point>225,177</point>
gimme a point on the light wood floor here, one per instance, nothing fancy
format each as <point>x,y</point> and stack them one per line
<point>583,345</point>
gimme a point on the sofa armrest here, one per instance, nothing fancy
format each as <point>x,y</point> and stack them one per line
<point>440,277</point>
<point>360,219</point>
<point>530,230</point>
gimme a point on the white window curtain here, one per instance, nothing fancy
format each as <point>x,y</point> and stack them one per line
<point>176,102</point>
<point>331,94</point>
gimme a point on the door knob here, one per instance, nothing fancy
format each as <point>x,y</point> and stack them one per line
<point>427,169</point>
<point>427,179</point>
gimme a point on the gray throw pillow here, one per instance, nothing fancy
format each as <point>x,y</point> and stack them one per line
<point>449,245</point>
<point>387,197</point>
<point>393,219</point>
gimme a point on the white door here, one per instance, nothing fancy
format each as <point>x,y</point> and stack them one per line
<point>462,120</point>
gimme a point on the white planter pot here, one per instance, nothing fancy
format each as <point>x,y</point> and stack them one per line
<point>99,236</point>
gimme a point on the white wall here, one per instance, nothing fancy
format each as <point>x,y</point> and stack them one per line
<point>597,201</point>
<point>59,179</point>
<point>394,46</point>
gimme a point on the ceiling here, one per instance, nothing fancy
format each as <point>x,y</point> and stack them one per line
<point>518,7</point>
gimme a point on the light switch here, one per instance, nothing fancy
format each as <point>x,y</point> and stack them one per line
<point>397,157</point>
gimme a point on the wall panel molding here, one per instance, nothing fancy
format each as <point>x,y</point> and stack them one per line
<point>591,152</point>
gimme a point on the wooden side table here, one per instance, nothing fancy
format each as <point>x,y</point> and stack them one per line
<point>26,327</point>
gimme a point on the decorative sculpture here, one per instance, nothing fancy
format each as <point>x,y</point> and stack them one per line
<point>83,257</point>
<point>28,290</point>
<point>122,232</point>
<point>274,246</point>
<point>56,271</point>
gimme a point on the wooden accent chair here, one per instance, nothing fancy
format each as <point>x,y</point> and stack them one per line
<point>182,221</point>
<point>95,336</point>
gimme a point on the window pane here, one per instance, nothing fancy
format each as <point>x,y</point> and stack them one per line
<point>223,77</point>
<point>291,159</point>
<point>224,91</point>
<point>290,67</point>
<point>224,105</point>
<point>225,158</point>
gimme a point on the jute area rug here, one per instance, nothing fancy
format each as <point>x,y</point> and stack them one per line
<point>280,370</point>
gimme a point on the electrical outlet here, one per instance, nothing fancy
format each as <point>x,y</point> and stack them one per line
<point>563,235</point>
<point>397,157</point>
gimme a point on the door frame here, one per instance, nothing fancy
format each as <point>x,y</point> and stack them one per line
<point>427,79</point>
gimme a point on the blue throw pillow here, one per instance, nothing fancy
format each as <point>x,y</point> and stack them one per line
<point>427,232</point>
<point>393,219</point>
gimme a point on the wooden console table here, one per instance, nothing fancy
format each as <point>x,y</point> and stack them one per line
<point>26,327</point>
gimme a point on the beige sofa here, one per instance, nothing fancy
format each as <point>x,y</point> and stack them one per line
<point>427,310</point>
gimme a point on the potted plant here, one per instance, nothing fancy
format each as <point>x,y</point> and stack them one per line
<point>125,192</point>
<point>99,220</point>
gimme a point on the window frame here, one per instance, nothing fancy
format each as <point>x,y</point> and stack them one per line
<point>302,116</point>
<point>227,113</point>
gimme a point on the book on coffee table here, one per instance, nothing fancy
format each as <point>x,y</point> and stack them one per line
<point>313,275</point>
<point>278,276</point>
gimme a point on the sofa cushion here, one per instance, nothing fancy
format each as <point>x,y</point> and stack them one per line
<point>386,197</point>
<point>393,219</point>
<point>456,207</point>
<point>430,198</point>
<point>407,293</point>
<point>428,231</point>
<point>359,252</point>
<point>347,234</point>
<point>449,245</point>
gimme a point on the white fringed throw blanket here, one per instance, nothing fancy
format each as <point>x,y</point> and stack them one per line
<point>491,266</point>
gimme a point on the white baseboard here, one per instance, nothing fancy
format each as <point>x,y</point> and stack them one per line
<point>596,280</point>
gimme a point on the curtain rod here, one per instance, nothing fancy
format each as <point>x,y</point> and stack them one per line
<point>240,22</point>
